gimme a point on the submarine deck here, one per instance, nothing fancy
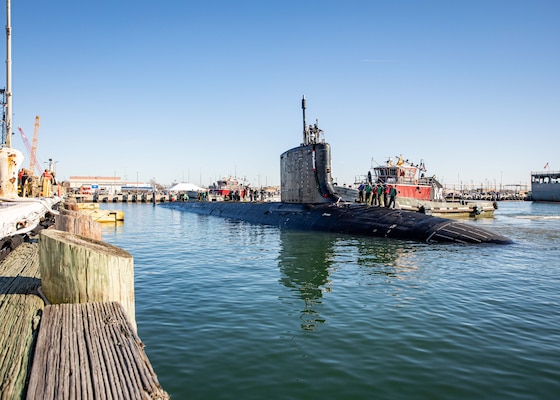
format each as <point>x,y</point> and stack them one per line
<point>347,218</point>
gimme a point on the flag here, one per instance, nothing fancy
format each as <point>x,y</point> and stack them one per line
<point>546,166</point>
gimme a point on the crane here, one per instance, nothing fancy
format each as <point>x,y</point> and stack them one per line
<point>33,159</point>
<point>33,154</point>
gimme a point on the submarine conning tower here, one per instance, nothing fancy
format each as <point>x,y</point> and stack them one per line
<point>305,171</point>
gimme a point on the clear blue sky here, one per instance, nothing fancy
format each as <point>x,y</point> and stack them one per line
<point>196,90</point>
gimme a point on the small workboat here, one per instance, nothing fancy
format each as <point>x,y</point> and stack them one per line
<point>416,191</point>
<point>98,215</point>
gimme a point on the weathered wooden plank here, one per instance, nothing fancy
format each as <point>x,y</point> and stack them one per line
<point>124,359</point>
<point>23,262</point>
<point>111,359</point>
<point>20,311</point>
<point>107,366</point>
<point>86,389</point>
<point>64,371</point>
<point>98,372</point>
<point>146,376</point>
<point>18,334</point>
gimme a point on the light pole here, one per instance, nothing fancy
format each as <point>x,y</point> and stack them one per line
<point>51,165</point>
<point>501,179</point>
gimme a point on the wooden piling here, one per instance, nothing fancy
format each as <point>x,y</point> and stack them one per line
<point>72,220</point>
<point>76,269</point>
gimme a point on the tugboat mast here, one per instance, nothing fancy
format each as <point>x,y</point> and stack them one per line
<point>8,76</point>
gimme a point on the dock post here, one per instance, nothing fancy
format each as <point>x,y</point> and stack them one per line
<point>76,269</point>
<point>72,220</point>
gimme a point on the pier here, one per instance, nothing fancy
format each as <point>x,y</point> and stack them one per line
<point>122,198</point>
<point>83,347</point>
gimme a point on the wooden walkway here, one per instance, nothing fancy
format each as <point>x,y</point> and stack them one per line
<point>20,314</point>
<point>67,351</point>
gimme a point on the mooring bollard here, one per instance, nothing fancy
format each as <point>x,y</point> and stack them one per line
<point>77,269</point>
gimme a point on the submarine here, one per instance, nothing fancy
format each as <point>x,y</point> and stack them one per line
<point>308,201</point>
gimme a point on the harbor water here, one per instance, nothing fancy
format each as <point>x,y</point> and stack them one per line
<point>230,310</point>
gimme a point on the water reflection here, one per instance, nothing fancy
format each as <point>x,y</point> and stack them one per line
<point>305,262</point>
<point>387,257</point>
<point>112,227</point>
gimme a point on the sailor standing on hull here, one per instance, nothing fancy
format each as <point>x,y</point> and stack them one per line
<point>392,196</point>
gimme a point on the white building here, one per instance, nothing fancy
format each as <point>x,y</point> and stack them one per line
<point>110,185</point>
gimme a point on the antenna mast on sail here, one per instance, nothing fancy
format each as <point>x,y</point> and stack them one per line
<point>8,76</point>
<point>303,106</point>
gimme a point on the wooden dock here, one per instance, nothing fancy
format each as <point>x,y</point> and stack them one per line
<point>20,313</point>
<point>65,351</point>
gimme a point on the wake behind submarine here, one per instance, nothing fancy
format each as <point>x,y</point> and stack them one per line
<point>310,202</point>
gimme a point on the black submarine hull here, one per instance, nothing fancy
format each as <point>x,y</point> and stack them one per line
<point>348,218</point>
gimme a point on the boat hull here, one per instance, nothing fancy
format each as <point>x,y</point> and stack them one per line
<point>449,209</point>
<point>545,192</point>
<point>545,186</point>
<point>346,218</point>
<point>98,215</point>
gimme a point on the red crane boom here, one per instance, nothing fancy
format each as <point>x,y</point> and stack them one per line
<point>33,164</point>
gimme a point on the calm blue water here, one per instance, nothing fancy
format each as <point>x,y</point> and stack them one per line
<point>230,310</point>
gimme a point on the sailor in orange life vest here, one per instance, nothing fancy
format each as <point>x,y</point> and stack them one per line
<point>46,182</point>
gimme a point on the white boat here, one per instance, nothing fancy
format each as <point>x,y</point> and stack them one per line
<point>347,193</point>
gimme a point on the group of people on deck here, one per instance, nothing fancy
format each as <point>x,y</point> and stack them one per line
<point>252,194</point>
<point>379,194</point>
<point>25,183</point>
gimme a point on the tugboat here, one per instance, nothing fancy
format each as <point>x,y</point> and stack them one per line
<point>227,189</point>
<point>309,201</point>
<point>421,193</point>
